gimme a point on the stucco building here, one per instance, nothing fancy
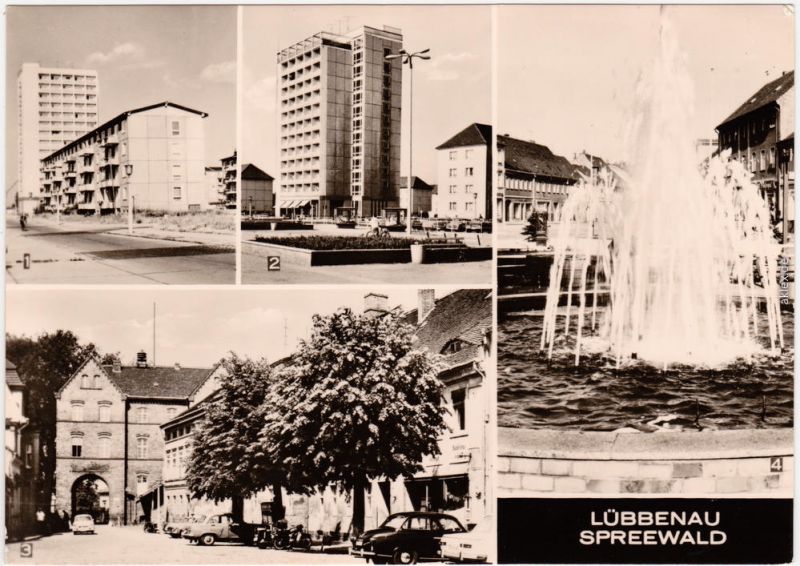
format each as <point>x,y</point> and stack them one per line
<point>464,174</point>
<point>339,119</point>
<point>54,106</point>
<point>257,195</point>
<point>229,180</point>
<point>753,134</point>
<point>423,195</point>
<point>163,145</point>
<point>107,428</point>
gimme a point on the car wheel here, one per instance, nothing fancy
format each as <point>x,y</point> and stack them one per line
<point>405,556</point>
<point>207,540</point>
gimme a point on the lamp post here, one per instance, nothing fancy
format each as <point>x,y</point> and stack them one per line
<point>408,59</point>
<point>128,173</point>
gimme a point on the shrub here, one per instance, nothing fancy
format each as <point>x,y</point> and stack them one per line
<point>338,242</point>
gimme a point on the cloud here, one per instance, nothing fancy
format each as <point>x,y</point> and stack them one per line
<point>448,67</point>
<point>127,50</point>
<point>259,94</point>
<point>224,72</point>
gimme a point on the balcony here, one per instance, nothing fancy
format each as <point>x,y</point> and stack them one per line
<point>87,206</point>
<point>109,183</point>
<point>70,174</point>
<point>110,140</point>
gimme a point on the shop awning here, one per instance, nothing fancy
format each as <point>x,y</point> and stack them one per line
<point>302,203</point>
<point>288,204</point>
<point>442,471</point>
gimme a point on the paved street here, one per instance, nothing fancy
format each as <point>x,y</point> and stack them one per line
<point>77,254</point>
<point>131,545</point>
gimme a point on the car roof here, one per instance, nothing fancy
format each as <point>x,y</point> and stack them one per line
<point>83,516</point>
<point>421,514</point>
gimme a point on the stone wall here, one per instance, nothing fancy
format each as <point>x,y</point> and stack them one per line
<point>537,463</point>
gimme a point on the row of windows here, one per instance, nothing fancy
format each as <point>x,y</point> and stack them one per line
<point>759,161</point>
<point>468,206</point>
<point>104,412</point>
<point>453,154</point>
<point>468,172</point>
<point>467,189</point>
<point>103,446</point>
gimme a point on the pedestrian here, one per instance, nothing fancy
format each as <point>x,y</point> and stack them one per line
<point>40,523</point>
<point>65,520</point>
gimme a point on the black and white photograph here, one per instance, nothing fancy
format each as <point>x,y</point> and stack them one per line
<point>342,105</point>
<point>118,123</point>
<point>645,254</point>
<point>298,428</point>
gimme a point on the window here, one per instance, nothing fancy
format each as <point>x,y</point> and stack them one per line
<point>468,171</point>
<point>469,189</point>
<point>141,415</point>
<point>453,189</point>
<point>77,445</point>
<point>763,160</point>
<point>417,524</point>
<point>176,193</point>
<point>453,155</point>
<point>771,157</point>
<point>453,206</point>
<point>104,446</point>
<point>104,411</point>
<point>85,384</point>
<point>452,172</point>
<point>467,153</point>
<point>29,456</point>
<point>77,410</point>
<point>96,381</point>
<point>469,206</point>
<point>176,128</point>
<point>141,479</point>
<point>141,447</point>
<point>458,398</point>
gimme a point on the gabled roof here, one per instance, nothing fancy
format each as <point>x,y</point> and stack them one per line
<point>474,134</point>
<point>534,158</point>
<point>767,94</point>
<point>13,379</point>
<point>158,382</point>
<point>120,118</point>
<point>418,183</point>
<point>252,173</point>
<point>463,315</point>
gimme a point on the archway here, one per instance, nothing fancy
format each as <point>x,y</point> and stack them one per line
<point>90,495</point>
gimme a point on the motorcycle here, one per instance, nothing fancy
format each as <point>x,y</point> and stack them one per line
<point>276,535</point>
<point>300,539</point>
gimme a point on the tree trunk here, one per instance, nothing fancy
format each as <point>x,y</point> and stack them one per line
<point>358,507</point>
<point>237,508</point>
<point>278,512</point>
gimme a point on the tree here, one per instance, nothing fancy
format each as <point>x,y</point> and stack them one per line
<point>86,497</point>
<point>45,364</point>
<point>536,226</point>
<point>356,402</point>
<point>228,460</point>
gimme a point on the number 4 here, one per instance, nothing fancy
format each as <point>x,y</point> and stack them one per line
<point>776,464</point>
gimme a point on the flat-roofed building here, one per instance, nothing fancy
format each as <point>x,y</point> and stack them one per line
<point>339,116</point>
<point>164,145</point>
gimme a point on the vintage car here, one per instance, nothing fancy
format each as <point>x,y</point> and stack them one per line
<point>473,546</point>
<point>220,528</point>
<point>175,530</point>
<point>83,524</point>
<point>406,538</point>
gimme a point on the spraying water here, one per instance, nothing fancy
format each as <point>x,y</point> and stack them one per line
<point>683,252</point>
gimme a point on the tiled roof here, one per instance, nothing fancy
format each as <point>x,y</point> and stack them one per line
<point>462,315</point>
<point>12,377</point>
<point>474,134</point>
<point>419,184</point>
<point>158,382</point>
<point>767,94</point>
<point>531,157</point>
<point>252,173</point>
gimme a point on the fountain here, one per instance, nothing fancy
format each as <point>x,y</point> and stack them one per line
<point>682,253</point>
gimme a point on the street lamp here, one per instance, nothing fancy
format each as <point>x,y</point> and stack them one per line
<point>408,59</point>
<point>128,173</point>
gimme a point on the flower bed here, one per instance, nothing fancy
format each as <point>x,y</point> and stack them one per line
<point>326,243</point>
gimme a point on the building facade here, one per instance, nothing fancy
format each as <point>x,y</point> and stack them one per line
<point>464,174</point>
<point>215,189</point>
<point>162,145</point>
<point>423,196</point>
<point>257,195</point>
<point>340,123</point>
<point>530,177</point>
<point>229,180</point>
<point>107,429</point>
<point>54,107</point>
<point>753,134</point>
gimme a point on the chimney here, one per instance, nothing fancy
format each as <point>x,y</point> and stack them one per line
<point>375,304</point>
<point>177,366</point>
<point>116,367</point>
<point>141,359</point>
<point>426,299</point>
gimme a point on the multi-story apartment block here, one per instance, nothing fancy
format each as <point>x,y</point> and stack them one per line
<point>229,180</point>
<point>107,428</point>
<point>215,189</point>
<point>464,174</point>
<point>54,107</point>
<point>530,177</point>
<point>753,133</point>
<point>340,123</point>
<point>162,146</point>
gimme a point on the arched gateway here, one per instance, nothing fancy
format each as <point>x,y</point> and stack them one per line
<point>90,494</point>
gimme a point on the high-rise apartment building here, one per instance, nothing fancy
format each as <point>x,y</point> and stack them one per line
<point>340,123</point>
<point>55,106</point>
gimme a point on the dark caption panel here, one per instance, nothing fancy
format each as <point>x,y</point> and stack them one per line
<point>658,531</point>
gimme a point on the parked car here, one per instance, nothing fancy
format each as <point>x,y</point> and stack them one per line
<point>220,528</point>
<point>83,524</point>
<point>406,538</point>
<point>175,530</point>
<point>473,546</point>
<point>456,225</point>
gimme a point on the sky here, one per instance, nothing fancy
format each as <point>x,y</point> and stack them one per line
<point>567,74</point>
<point>451,91</point>
<point>188,58</point>
<point>194,327</point>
